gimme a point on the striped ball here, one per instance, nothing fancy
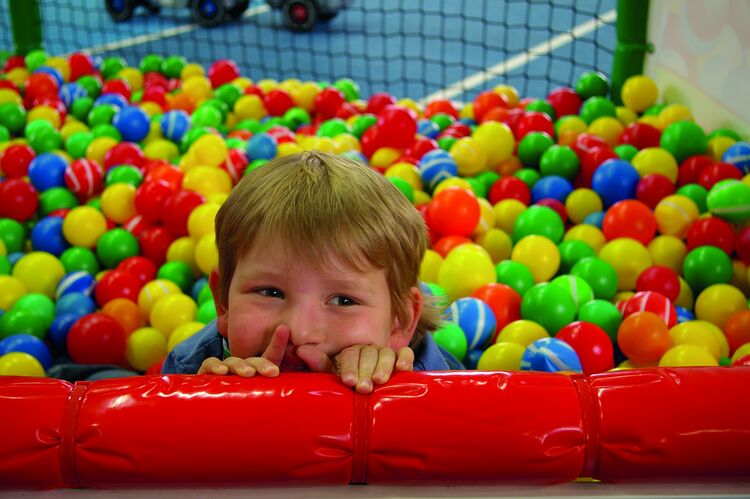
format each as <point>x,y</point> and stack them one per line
<point>174,125</point>
<point>738,154</point>
<point>729,199</point>
<point>550,355</point>
<point>475,318</point>
<point>436,166</point>
<point>75,282</point>
<point>84,178</point>
<point>70,92</point>
<point>427,128</point>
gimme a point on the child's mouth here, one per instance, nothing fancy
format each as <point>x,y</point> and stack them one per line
<point>292,363</point>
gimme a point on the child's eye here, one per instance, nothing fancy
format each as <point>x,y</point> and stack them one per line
<point>343,301</point>
<point>270,292</point>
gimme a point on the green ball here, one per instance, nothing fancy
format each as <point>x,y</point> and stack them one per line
<point>571,252</point>
<point>451,338</point>
<point>592,84</point>
<point>172,66</point>
<point>439,294</point>
<point>349,88</point>
<point>600,275</point>
<point>4,134</point>
<point>604,314</point>
<point>549,305</point>
<point>561,161</point>
<point>406,189</point>
<point>205,295</point>
<point>111,66</point>
<point>541,106</point>
<point>730,200</point>
<point>362,123</point>
<point>514,274</point>
<point>39,304</point>
<point>488,178</point>
<point>22,322</point>
<point>442,120</point>
<point>12,234</point>
<point>654,110</point>
<point>101,115</point>
<point>446,142</point>
<point>269,123</point>
<point>82,107</point>
<point>529,176</point>
<point>207,116</point>
<point>235,143</point>
<point>333,127</point>
<point>91,84</point>
<point>477,187</point>
<point>297,117</point>
<point>579,289</point>
<point>254,165</point>
<point>95,202</point>
<point>541,221</point>
<point>116,245</point>
<point>150,63</point>
<point>228,94</point>
<point>179,273</point>
<point>705,266</point>
<point>36,126</point>
<point>206,312</point>
<point>45,140</point>
<point>684,139</point>
<point>626,151</point>
<point>596,107</point>
<point>125,174</point>
<point>12,117</point>
<point>725,132</point>
<point>697,193</point>
<point>218,104</point>
<point>192,135</point>
<point>56,198</point>
<point>4,265</point>
<point>35,59</point>
<point>79,259</point>
<point>532,146</point>
<point>77,144</point>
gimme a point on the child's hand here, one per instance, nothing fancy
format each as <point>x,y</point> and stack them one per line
<point>266,365</point>
<point>360,366</point>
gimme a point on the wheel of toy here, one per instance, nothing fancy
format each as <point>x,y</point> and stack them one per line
<point>209,13</point>
<point>300,15</point>
<point>120,10</point>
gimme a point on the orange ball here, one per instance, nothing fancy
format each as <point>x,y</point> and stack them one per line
<point>126,313</point>
<point>643,337</point>
<point>737,329</point>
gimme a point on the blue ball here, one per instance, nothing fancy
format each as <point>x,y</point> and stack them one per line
<point>54,73</point>
<point>357,156</point>
<point>75,282</point>
<point>133,123</point>
<point>261,146</point>
<point>46,171</point>
<point>615,180</point>
<point>471,361</point>
<point>77,304</point>
<point>30,344</point>
<point>71,92</point>
<point>550,355</point>
<point>738,154</point>
<point>47,235</point>
<point>475,318</point>
<point>551,186</point>
<point>684,315</point>
<point>14,257</point>
<point>596,219</point>
<point>428,129</point>
<point>436,166</point>
<point>198,287</point>
<point>116,100</point>
<point>174,125</point>
<point>58,331</point>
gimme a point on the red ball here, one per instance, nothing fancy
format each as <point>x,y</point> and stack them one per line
<point>18,199</point>
<point>235,164</point>
<point>653,188</point>
<point>445,244</point>
<point>167,173</point>
<point>691,169</point>
<point>254,90</point>
<point>555,205</point>
<point>54,102</point>
<point>591,159</point>
<point>397,126</point>
<point>277,102</point>
<point>124,153</point>
<point>15,160</point>
<point>458,129</point>
<point>81,64</point>
<point>371,141</point>
<point>150,197</point>
<point>420,147</point>
<point>629,218</point>
<point>641,135</point>
<point>742,245</point>
<point>14,61</point>
<point>157,95</point>
<point>742,361</point>
<point>136,225</point>
<point>379,101</point>
<point>223,71</point>
<point>711,231</point>
<point>591,343</point>
<point>155,79</point>
<point>117,284</point>
<point>565,101</point>
<point>487,101</point>
<point>7,84</point>
<point>651,301</point>
<point>509,188</point>
<point>504,301</point>
<point>117,86</point>
<point>154,243</point>
<point>177,209</point>
<point>140,267</point>
<point>282,134</point>
<point>328,101</point>
<point>347,110</point>
<point>38,85</point>
<point>453,212</point>
<point>586,143</point>
<point>660,279</point>
<point>96,339</point>
<point>717,172</point>
<point>440,106</point>
<point>84,178</point>
<point>533,121</point>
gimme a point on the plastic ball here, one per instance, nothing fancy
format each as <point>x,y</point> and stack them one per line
<point>738,155</point>
<point>532,146</point>
<point>118,202</point>
<point>687,355</point>
<point>592,83</point>
<point>597,107</point>
<point>695,333</point>
<point>643,337</point>
<point>171,311</point>
<point>206,254</point>
<point>540,221</point>
<point>75,282</point>
<point>18,199</point>
<point>591,343</point>
<point>571,252</point>
<point>12,234</point>
<point>20,364</point>
<point>629,258</point>
<point>39,272</point>
<point>47,235</point>
<point>475,318</point>
<point>654,160</point>
<point>550,355</point>
<point>651,301</point>
<point>145,347</point>
<point>96,339</point>
<point>539,255</point>
<point>718,302</point>
<point>17,321</point>
<point>639,93</point>
<point>465,269</point>
<point>653,188</point>
<point>522,332</point>
<point>706,266</point>
<point>133,123</point>
<point>115,245</point>
<point>549,305</point>
<point>29,344</point>
<point>711,231</point>
<point>174,125</point>
<point>126,312</point>
<point>47,170</point>
<point>84,178</point>
<point>453,212</point>
<point>516,275</point>
<point>684,139</point>
<point>601,275</point>
<point>498,141</point>
<point>451,338</point>
<point>577,287</point>
<point>661,279</point>
<point>629,218</point>
<point>117,284</point>
<point>615,180</point>
<point>675,214</point>
<point>730,200</point>
<point>177,209</point>
<point>503,300</point>
<point>738,329</point>
<point>501,357</point>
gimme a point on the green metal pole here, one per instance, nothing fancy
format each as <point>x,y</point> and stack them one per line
<point>632,45</point>
<point>26,18</point>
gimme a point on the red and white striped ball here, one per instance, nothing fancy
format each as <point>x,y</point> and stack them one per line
<point>651,301</point>
<point>84,178</point>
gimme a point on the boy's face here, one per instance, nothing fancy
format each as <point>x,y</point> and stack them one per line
<point>329,307</point>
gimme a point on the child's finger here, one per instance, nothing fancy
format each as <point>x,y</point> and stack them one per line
<point>384,367</point>
<point>239,367</point>
<point>212,365</point>
<point>405,361</point>
<point>316,359</point>
<point>277,348</point>
<point>368,361</point>
<point>348,365</point>
<point>264,367</point>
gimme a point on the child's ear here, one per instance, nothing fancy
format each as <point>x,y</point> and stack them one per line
<point>222,317</point>
<point>402,334</point>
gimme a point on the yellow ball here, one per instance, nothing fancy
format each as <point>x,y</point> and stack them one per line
<point>197,88</point>
<point>539,255</point>
<point>201,220</point>
<point>152,109</point>
<point>650,119</point>
<point>17,76</point>
<point>675,214</point>
<point>183,332</point>
<point>522,332</point>
<point>145,347</point>
<point>384,157</point>
<point>581,203</point>
<point>210,150</point>
<point>191,69</point>
<point>486,218</point>
<point>674,113</point>
<point>7,95</point>
<point>589,234</point>
<point>304,95</point>
<point>182,250</point>
<point>497,243</point>
<point>742,351</point>
<point>451,182</point>
<point>83,226</point>
<point>99,147</point>
<point>407,172</point>
<point>61,64</point>
<point>687,355</point>
<point>250,107</point>
<point>11,289</point>
<point>718,145</point>
<point>171,311</point>
<point>429,270</point>
<point>323,144</point>
<point>626,115</point>
<point>510,93</point>
<point>345,142</point>
<point>287,148</point>
<point>206,254</point>
<point>289,85</point>
<point>639,93</point>
<point>498,142</point>
<point>133,77</point>
<point>506,212</point>
<point>465,269</point>
<point>207,180</point>
<point>153,291</point>
<point>118,202</point>
<point>718,302</point>
<point>410,104</point>
<point>20,364</point>
<point>571,124</point>
<point>629,258</point>
<point>421,197</point>
<point>267,85</point>
<point>694,333</point>
<point>161,149</point>
<point>46,113</point>
<point>470,156</point>
<point>70,127</point>
<point>685,298</point>
<point>39,272</point>
<point>668,251</point>
<point>608,128</point>
<point>655,160</point>
<point>501,357</point>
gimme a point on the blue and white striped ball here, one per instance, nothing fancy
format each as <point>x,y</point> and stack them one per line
<point>261,146</point>
<point>738,154</point>
<point>436,166</point>
<point>550,355</point>
<point>77,304</point>
<point>75,282</point>
<point>174,125</point>
<point>475,318</point>
<point>116,100</point>
<point>684,315</point>
<point>70,92</point>
<point>427,128</point>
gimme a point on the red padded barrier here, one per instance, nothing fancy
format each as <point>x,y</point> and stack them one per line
<point>440,427</point>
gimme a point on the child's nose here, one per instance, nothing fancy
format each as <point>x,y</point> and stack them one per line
<point>305,325</point>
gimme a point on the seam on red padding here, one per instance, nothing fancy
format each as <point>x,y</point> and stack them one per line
<point>590,414</point>
<point>360,434</point>
<point>68,429</point>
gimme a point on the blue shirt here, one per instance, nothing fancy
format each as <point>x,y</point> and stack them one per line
<point>187,357</point>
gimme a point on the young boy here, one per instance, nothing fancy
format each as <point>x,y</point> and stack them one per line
<point>319,259</point>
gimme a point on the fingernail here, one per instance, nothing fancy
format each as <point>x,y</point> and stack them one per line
<point>366,385</point>
<point>349,379</point>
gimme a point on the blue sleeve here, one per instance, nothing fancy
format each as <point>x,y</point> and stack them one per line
<point>187,357</point>
<point>430,357</point>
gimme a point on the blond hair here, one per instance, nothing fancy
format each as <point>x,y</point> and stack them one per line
<point>321,203</point>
